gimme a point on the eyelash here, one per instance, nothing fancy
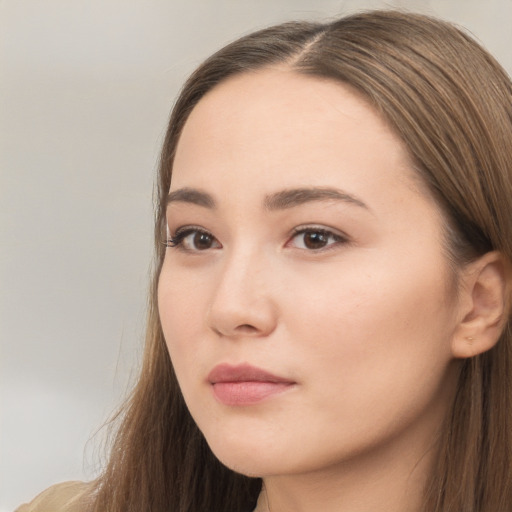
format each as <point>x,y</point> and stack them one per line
<point>317,230</point>
<point>177,241</point>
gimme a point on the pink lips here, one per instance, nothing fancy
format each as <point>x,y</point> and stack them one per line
<point>245,384</point>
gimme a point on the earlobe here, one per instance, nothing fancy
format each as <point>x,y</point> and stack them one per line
<point>485,302</point>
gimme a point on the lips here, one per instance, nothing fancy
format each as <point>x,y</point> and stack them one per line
<point>245,384</point>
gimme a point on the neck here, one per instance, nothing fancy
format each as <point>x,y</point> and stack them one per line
<point>391,481</point>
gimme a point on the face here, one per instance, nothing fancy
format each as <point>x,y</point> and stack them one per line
<point>304,295</point>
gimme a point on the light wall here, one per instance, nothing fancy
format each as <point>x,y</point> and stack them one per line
<point>85,91</point>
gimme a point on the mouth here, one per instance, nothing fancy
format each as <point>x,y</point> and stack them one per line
<point>244,384</point>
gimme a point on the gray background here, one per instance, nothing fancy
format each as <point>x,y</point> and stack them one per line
<point>85,91</point>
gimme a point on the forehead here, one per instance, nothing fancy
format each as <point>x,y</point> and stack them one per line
<point>274,125</point>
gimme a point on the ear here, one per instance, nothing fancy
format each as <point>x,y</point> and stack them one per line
<point>484,302</point>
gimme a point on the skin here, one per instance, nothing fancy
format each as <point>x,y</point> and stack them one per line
<point>364,327</point>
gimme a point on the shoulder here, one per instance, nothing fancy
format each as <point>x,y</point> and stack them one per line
<point>64,497</point>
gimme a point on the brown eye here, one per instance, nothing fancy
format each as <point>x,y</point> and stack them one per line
<point>202,241</point>
<point>315,239</point>
<point>193,240</point>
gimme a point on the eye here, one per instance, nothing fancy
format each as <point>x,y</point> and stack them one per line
<point>315,239</point>
<point>193,239</point>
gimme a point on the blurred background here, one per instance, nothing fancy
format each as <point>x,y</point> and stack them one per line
<point>85,92</point>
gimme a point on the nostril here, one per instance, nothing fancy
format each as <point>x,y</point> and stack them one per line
<point>246,328</point>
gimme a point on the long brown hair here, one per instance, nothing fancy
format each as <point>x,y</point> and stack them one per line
<point>451,103</point>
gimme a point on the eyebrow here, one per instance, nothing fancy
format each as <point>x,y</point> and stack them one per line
<point>297,196</point>
<point>193,196</point>
<point>278,201</point>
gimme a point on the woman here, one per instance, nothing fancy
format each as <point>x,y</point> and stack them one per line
<point>329,324</point>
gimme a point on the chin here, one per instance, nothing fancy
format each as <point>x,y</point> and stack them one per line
<point>251,466</point>
<point>248,456</point>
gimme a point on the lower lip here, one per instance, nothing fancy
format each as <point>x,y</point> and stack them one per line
<point>247,392</point>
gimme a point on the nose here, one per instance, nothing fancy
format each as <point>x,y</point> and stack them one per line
<point>243,303</point>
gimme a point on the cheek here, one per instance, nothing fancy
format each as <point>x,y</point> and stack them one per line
<point>368,337</point>
<point>373,298</point>
<point>182,315</point>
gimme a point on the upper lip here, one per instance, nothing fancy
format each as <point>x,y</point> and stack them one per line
<point>243,373</point>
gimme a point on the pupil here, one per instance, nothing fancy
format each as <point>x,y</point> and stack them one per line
<point>202,241</point>
<point>315,240</point>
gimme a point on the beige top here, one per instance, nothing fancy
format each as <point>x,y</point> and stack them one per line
<point>64,497</point>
